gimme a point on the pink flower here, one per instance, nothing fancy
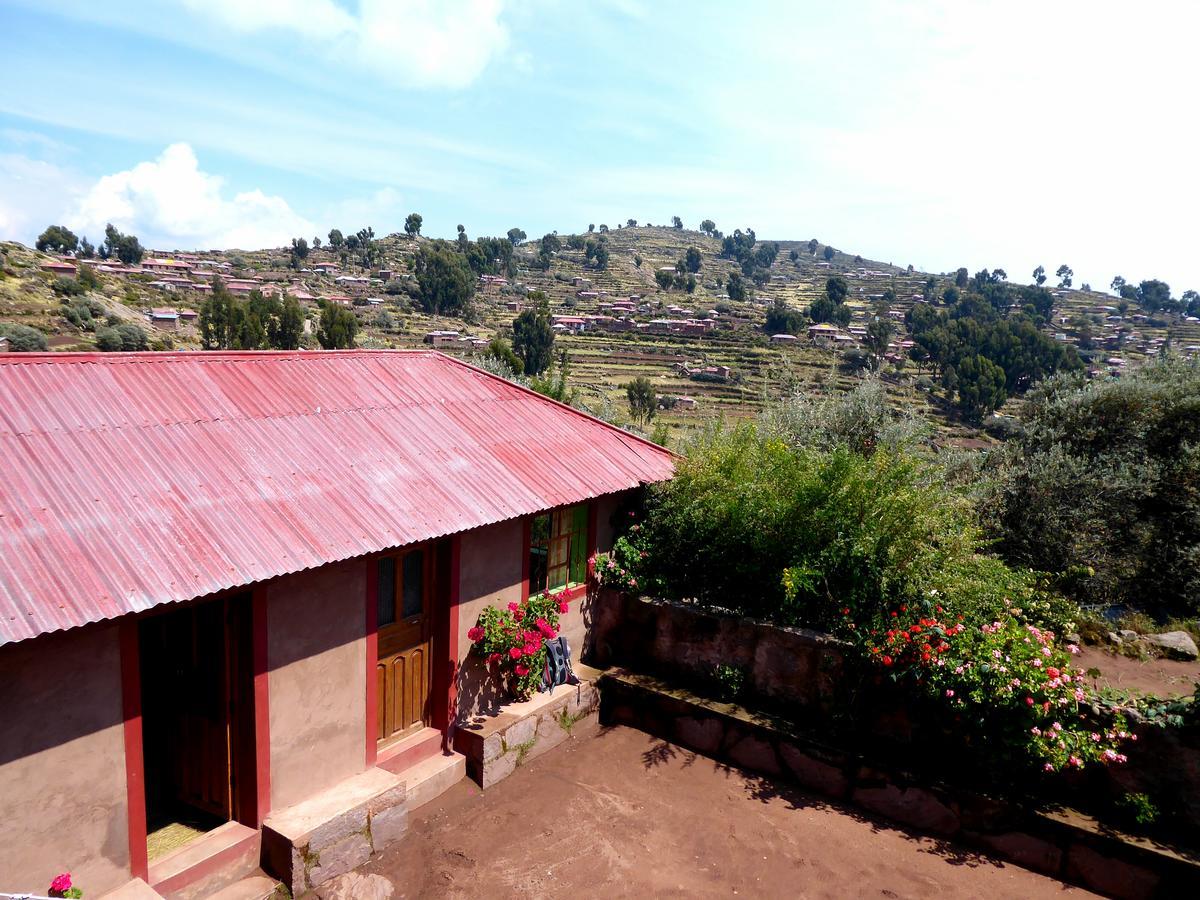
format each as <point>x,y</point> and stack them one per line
<point>61,884</point>
<point>514,652</point>
<point>513,606</point>
<point>475,634</point>
<point>522,670</point>
<point>1048,767</point>
<point>563,607</point>
<point>949,693</point>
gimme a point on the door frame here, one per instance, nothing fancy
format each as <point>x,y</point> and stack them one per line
<point>443,566</point>
<point>253,751</point>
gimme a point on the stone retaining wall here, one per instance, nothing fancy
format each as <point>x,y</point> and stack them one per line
<point>1065,845</point>
<point>495,747</point>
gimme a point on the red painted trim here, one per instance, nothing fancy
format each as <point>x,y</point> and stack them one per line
<point>593,538</point>
<point>135,774</point>
<point>262,706</point>
<point>526,540</point>
<point>372,644</point>
<point>453,596</point>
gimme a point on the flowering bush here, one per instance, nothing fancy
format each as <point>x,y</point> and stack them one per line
<point>61,887</point>
<point>619,569</point>
<point>510,640</point>
<point>1007,679</point>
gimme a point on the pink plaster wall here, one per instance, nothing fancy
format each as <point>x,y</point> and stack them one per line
<point>317,660</point>
<point>63,800</point>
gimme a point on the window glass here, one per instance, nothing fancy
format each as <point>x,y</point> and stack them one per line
<point>539,535</point>
<point>558,549</point>
<point>414,584</point>
<point>386,603</point>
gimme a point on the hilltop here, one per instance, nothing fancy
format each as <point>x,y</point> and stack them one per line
<point>705,354</point>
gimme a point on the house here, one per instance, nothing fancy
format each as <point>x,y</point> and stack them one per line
<point>783,339</point>
<point>59,268</point>
<point>164,317</point>
<point>257,621</point>
<point>166,266</point>
<point>325,267</point>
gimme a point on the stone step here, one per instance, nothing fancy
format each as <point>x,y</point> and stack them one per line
<point>208,863</point>
<point>133,890</point>
<point>255,887</point>
<point>432,777</point>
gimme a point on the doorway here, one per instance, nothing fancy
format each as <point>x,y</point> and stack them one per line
<point>404,671</point>
<point>197,720</point>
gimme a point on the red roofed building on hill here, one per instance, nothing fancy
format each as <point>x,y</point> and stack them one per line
<point>235,590</point>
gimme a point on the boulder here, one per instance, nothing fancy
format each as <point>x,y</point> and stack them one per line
<point>1172,644</point>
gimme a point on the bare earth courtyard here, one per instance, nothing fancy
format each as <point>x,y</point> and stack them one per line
<point>623,814</point>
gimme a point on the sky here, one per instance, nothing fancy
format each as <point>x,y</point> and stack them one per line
<point>937,133</point>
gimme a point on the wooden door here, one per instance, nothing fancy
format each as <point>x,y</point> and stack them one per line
<point>405,629</point>
<point>187,727</point>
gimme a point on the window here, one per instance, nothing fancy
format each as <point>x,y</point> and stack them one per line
<point>401,584</point>
<point>558,549</point>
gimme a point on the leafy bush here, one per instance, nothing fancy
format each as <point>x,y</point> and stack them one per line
<point>510,639</point>
<point>22,338</point>
<point>1104,486</point>
<point>66,286</point>
<point>127,337</point>
<point>752,524</point>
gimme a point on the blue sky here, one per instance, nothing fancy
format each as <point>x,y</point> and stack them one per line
<point>939,133</point>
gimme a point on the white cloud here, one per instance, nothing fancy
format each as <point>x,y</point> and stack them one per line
<point>170,203</point>
<point>417,43</point>
<point>31,195</point>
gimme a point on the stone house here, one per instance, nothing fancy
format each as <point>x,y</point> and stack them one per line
<point>235,591</point>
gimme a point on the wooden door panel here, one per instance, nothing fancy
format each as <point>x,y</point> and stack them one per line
<point>403,685</point>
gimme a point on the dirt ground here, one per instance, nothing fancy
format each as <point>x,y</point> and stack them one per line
<point>1157,677</point>
<point>623,814</point>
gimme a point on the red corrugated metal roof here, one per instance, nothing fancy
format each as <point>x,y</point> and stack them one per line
<point>132,480</point>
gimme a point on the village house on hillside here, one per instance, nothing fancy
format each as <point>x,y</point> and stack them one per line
<point>235,591</point>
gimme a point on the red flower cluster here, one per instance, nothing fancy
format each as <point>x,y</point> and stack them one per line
<point>919,645</point>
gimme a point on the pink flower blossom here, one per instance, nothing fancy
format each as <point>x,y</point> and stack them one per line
<point>61,883</point>
<point>949,693</point>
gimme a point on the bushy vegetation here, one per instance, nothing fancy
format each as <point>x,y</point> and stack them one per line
<point>1103,487</point>
<point>834,514</point>
<point>22,338</point>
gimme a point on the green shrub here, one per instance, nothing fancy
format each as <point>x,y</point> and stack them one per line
<point>66,286</point>
<point>1103,484</point>
<point>746,513</point>
<point>22,338</point>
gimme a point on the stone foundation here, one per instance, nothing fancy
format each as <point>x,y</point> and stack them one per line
<point>495,745</point>
<point>335,831</point>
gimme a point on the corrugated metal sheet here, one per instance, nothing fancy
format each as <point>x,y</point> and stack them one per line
<point>133,480</point>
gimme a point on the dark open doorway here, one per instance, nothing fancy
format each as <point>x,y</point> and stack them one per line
<point>197,720</point>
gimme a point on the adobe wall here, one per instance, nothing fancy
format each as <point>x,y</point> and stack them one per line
<point>63,800</point>
<point>317,662</point>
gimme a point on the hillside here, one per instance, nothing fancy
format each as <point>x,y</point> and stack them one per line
<point>704,329</point>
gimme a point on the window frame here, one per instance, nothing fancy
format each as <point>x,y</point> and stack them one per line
<point>573,589</point>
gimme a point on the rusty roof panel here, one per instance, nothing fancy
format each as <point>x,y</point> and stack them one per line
<point>133,480</point>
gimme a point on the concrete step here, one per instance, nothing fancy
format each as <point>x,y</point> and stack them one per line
<point>410,751</point>
<point>133,890</point>
<point>431,777</point>
<point>255,887</point>
<point>210,862</point>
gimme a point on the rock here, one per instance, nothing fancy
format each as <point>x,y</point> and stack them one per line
<point>1128,635</point>
<point>1114,638</point>
<point>355,886</point>
<point>1173,644</point>
<point>1073,638</point>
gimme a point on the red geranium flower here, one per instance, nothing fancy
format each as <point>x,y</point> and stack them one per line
<point>562,607</point>
<point>61,884</point>
<point>514,652</point>
<point>522,670</point>
<point>513,606</point>
<point>887,660</point>
<point>475,634</point>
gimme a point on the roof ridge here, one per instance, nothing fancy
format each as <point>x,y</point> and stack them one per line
<point>216,355</point>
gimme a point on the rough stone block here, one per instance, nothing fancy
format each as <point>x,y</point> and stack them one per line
<point>783,667</point>
<point>813,773</point>
<point>498,769</point>
<point>388,826</point>
<point>700,734</point>
<point>1025,850</point>
<point>493,747</point>
<point>394,797</point>
<point>913,806</point>
<point>520,732</point>
<point>339,858</point>
<point>329,833</point>
<point>756,754</point>
<point>1114,877</point>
